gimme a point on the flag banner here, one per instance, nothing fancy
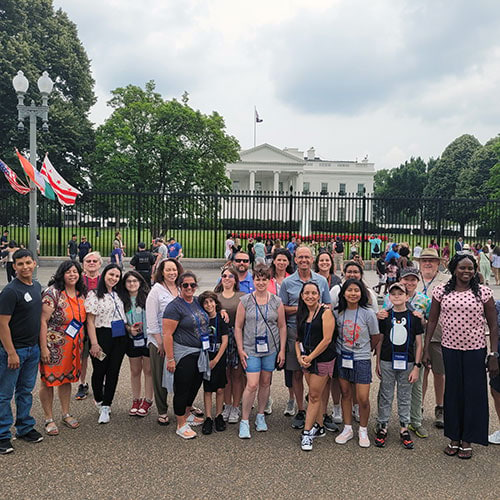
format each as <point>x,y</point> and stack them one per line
<point>65,192</point>
<point>11,176</point>
<point>36,177</point>
<point>258,119</point>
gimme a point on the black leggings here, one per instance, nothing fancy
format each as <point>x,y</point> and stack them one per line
<point>187,381</point>
<point>109,368</point>
<point>11,274</point>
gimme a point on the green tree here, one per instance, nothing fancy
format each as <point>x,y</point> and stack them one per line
<point>35,38</point>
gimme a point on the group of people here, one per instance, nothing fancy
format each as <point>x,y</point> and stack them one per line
<point>313,324</point>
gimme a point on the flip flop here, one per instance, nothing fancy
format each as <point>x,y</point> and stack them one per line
<point>51,427</point>
<point>186,432</point>
<point>451,450</point>
<point>465,453</point>
<point>70,421</point>
<point>163,420</point>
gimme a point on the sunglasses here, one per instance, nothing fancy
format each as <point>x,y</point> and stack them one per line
<point>242,260</point>
<point>229,276</point>
<point>94,261</point>
<point>192,285</point>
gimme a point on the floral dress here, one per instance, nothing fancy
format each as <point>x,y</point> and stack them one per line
<point>65,350</point>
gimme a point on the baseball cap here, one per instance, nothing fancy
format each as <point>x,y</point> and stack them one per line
<point>409,271</point>
<point>399,286</point>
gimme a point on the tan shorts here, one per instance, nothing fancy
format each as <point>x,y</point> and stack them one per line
<point>291,362</point>
<point>436,355</point>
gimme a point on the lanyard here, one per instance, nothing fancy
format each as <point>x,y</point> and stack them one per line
<point>196,316</point>
<point>71,306</point>
<point>131,314</point>
<point>86,279</point>
<point>216,333</point>
<point>426,286</point>
<point>257,314</point>
<point>355,325</point>
<point>408,333</point>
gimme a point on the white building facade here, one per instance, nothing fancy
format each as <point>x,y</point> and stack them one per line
<point>266,168</point>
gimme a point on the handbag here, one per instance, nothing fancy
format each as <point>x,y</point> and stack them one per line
<point>276,363</point>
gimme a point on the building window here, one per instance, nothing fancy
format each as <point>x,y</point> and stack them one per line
<point>342,190</point>
<point>361,189</point>
<point>324,187</point>
<point>280,187</point>
<point>341,214</point>
<point>323,214</point>
<point>258,186</point>
<point>236,185</point>
<point>359,214</point>
<point>306,188</point>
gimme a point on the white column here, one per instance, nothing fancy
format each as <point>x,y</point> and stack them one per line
<point>299,182</point>
<point>252,181</point>
<point>276,185</point>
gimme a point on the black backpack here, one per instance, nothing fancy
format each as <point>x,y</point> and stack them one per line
<point>339,247</point>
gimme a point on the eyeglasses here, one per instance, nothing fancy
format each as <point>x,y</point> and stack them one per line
<point>192,285</point>
<point>228,276</point>
<point>242,260</point>
<point>132,281</point>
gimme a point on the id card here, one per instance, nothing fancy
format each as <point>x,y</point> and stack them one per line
<point>205,341</point>
<point>139,341</point>
<point>73,329</point>
<point>118,328</point>
<point>261,345</point>
<point>347,360</point>
<point>400,361</point>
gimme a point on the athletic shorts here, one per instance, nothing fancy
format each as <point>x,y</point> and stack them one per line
<point>218,377</point>
<point>136,352</point>
<point>257,364</point>
<point>360,374</point>
<point>291,362</point>
<point>436,354</point>
<point>323,368</point>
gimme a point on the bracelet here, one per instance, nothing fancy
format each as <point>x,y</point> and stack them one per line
<point>172,359</point>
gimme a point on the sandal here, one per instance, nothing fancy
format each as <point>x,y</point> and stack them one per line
<point>464,453</point>
<point>163,420</point>
<point>197,412</point>
<point>186,432</point>
<point>70,421</point>
<point>51,427</point>
<point>451,450</point>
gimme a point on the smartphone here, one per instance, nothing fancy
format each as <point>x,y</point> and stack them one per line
<point>138,325</point>
<point>101,356</point>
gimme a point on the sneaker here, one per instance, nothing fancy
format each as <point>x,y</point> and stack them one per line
<point>494,438</point>
<point>220,425</point>
<point>98,405</point>
<point>329,424</point>
<point>208,426</point>
<point>318,430</point>
<point>226,412</point>
<point>33,436</point>
<point>290,408</point>
<point>344,436</point>
<point>419,431</point>
<point>337,414</point>
<point>363,439</point>
<point>306,443</point>
<point>185,432</point>
<point>381,438</point>
<point>82,392</point>
<point>299,420</point>
<point>194,420</point>
<point>406,440</point>
<point>269,406</point>
<point>144,408</point>
<point>234,416</point>
<point>260,423</point>
<point>104,415</point>
<point>5,447</point>
<point>244,430</point>
<point>136,403</point>
<point>355,412</point>
<point>439,417</point>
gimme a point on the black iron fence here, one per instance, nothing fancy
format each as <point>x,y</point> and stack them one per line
<point>200,221</point>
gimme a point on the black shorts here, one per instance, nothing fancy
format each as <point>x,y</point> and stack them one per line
<point>375,255</point>
<point>136,352</point>
<point>218,378</point>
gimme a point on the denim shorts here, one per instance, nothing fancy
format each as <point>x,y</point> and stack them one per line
<point>360,374</point>
<point>265,363</point>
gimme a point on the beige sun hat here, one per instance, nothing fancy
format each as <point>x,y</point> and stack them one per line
<point>428,253</point>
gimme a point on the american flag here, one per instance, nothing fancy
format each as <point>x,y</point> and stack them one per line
<point>11,176</point>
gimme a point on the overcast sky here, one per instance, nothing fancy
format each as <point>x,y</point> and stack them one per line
<point>389,79</point>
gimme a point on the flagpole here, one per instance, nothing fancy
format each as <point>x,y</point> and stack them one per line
<point>254,126</point>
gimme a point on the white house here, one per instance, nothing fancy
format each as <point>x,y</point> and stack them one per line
<point>268,168</point>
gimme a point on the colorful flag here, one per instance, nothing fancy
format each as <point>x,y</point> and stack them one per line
<point>11,176</point>
<point>258,119</point>
<point>65,192</point>
<point>36,177</point>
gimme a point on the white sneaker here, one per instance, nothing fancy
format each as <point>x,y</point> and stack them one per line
<point>306,443</point>
<point>226,412</point>
<point>337,414</point>
<point>104,415</point>
<point>234,416</point>
<point>494,438</point>
<point>355,412</point>
<point>269,406</point>
<point>344,436</point>
<point>290,408</point>
<point>364,440</point>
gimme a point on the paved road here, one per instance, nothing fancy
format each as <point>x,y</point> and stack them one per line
<point>132,458</point>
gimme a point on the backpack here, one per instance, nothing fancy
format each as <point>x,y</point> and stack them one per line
<point>376,248</point>
<point>339,247</point>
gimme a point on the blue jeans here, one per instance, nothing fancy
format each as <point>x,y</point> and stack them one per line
<point>18,383</point>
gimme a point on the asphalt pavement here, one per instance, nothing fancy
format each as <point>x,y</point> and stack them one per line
<point>133,457</point>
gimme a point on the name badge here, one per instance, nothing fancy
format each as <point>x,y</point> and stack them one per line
<point>347,360</point>
<point>400,361</point>
<point>73,329</point>
<point>118,328</point>
<point>27,297</point>
<point>205,342</point>
<point>261,345</point>
<point>139,341</point>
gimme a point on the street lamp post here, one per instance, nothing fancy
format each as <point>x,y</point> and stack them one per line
<point>21,84</point>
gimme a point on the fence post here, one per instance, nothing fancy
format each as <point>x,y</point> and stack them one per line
<point>363,227</point>
<point>290,214</point>
<point>139,217</point>
<point>439,216</point>
<point>216,223</point>
<point>59,231</point>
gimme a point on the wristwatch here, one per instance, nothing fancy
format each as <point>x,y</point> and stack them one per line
<point>494,354</point>
<point>418,365</point>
